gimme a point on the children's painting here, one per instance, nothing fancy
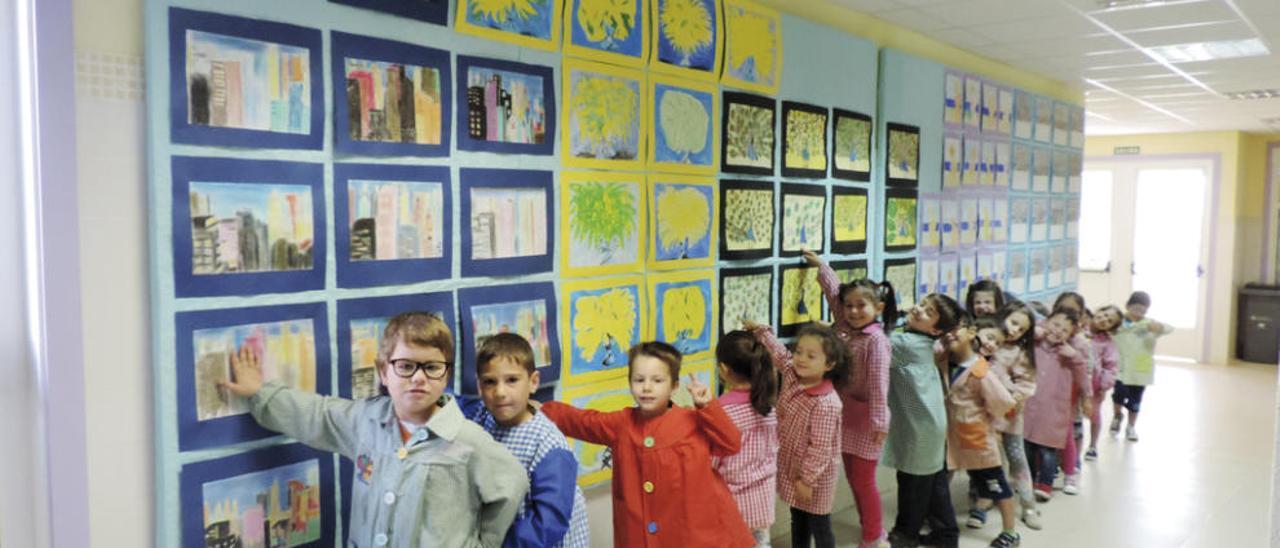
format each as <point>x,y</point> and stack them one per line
<point>244,82</point>
<point>683,305</point>
<point>243,228</point>
<point>1041,169</point>
<point>903,150</point>
<point>850,271</point>
<point>803,212</point>
<point>682,130</point>
<point>528,23</point>
<point>1004,116</point>
<point>748,219</point>
<point>972,159</point>
<point>748,129</point>
<point>509,107</point>
<point>972,102</point>
<point>397,97</point>
<point>1057,266</point>
<point>926,277</point>
<point>390,217</point>
<point>949,226</point>
<point>604,318</point>
<point>1061,172</point>
<point>609,31</point>
<point>1023,119</point>
<point>1044,119</point>
<point>930,222</point>
<point>431,11</point>
<point>1057,219</point>
<point>595,462</point>
<point>1021,167</point>
<point>953,99</point>
<point>952,160</point>
<point>366,338</point>
<point>849,220</point>
<point>1002,165</point>
<point>361,323</point>
<point>851,146</point>
<point>687,37</point>
<point>527,310</point>
<point>683,218</point>
<point>509,218</point>
<point>605,116</point>
<point>746,294</point>
<point>799,299</point>
<point>900,222</point>
<point>1017,271</point>
<point>1061,124</point>
<point>605,224</point>
<point>901,274</point>
<point>1019,220</point>
<point>948,276</point>
<point>753,46</point>
<point>1039,219</point>
<point>1039,269</point>
<point>804,144</point>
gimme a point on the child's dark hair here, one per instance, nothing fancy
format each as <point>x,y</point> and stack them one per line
<point>1072,296</point>
<point>835,350</point>
<point>1119,316</point>
<point>1027,342</point>
<point>948,309</point>
<point>1071,316</point>
<point>505,345</point>
<point>663,352</point>
<point>1139,297</point>
<point>987,322</point>
<point>984,285</point>
<point>878,293</point>
<point>747,358</point>
<point>1039,308</point>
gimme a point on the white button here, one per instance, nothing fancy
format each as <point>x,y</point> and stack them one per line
<point>381,539</point>
<point>389,498</point>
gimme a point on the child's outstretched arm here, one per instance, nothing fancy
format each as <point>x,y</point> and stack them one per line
<point>830,285</point>
<point>587,425</point>
<point>502,484</point>
<point>763,333</point>
<point>723,436</point>
<point>551,492</point>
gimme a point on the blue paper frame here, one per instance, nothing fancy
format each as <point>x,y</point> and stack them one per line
<point>195,475</point>
<point>185,170</point>
<point>462,110</point>
<point>480,296</point>
<point>470,178</point>
<point>432,11</point>
<point>196,434</point>
<point>180,131</point>
<point>391,271</point>
<point>375,49</point>
<point>371,307</point>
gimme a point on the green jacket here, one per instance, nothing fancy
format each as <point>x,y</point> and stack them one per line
<point>452,486</point>
<point>917,407</point>
<point>1136,345</point>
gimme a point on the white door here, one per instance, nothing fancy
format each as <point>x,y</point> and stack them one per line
<point>1144,226</point>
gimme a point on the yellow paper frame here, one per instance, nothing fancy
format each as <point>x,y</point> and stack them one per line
<point>656,65</point>
<point>714,229</point>
<point>567,158</point>
<point>568,178</point>
<point>651,99</point>
<point>570,394</point>
<point>713,304</point>
<point>567,289</point>
<point>551,44</point>
<point>591,54</point>
<point>733,81</point>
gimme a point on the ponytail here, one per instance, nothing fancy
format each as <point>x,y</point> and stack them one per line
<point>887,296</point>
<point>749,359</point>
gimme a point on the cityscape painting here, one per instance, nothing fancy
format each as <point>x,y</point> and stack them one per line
<point>393,224</point>
<point>286,350</point>
<point>528,310</point>
<point>509,107</point>
<point>361,323</point>
<point>507,221</point>
<point>390,98</point>
<point>237,227</point>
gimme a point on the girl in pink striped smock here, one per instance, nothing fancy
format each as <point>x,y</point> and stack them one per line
<point>856,307</point>
<point>751,390</point>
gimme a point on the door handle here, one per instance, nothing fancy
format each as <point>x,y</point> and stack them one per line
<point>1199,271</point>
<point>1107,268</point>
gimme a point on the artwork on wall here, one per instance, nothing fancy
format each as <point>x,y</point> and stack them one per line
<point>390,98</point>
<point>608,31</point>
<point>1075,172</point>
<point>682,133</point>
<point>508,220</point>
<point>968,221</point>
<point>748,134</point>
<point>1057,219</point>
<point>683,217</point>
<point>239,82</point>
<point>508,107</point>
<point>948,276</point>
<point>1021,167</point>
<point>1076,139</point>
<point>984,265</point>
<point>998,261</point>
<point>245,227</point>
<point>1018,271</point>
<point>926,277</point>
<point>1019,220</point>
<point>799,298</point>
<point>393,224</point>
<point>1023,117</point>
<point>746,294</point>
<point>1072,263</point>
<point>528,23</point>
<point>851,146</point>
<point>850,271</point>
<point>605,223</point>
<point>687,37</point>
<point>972,102</point>
<point>972,159</point>
<point>1004,162</point>
<point>901,273</point>
<point>1039,219</point>
<point>604,116</point>
<point>949,227</point>
<point>930,222</point>
<point>1061,172</point>
<point>603,318</point>
<point>953,99</point>
<point>967,265</point>
<point>431,11</point>
<point>683,305</point>
<point>986,209</point>
<point>1061,124</point>
<point>999,220</point>
<point>1057,266</point>
<point>804,143</point>
<point>990,107</point>
<point>903,155</point>
<point>748,220</point>
<point>848,220</point>
<point>595,462</point>
<point>1039,269</point>
<point>291,342</point>
<point>1073,217</point>
<point>900,222</point>
<point>1041,168</point>
<point>274,496</point>
<point>987,164</point>
<point>1004,116</point>
<point>803,212</point>
<point>1044,119</point>
<point>952,160</point>
<point>528,310</point>
<point>752,47</point>
<point>361,323</point>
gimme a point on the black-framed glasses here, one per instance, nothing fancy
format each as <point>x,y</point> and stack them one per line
<point>408,368</point>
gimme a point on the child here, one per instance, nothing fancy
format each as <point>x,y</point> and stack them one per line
<point>665,492</point>
<point>1136,345</point>
<point>984,299</point>
<point>554,513</point>
<point>474,488</point>
<point>918,426</point>
<point>809,415</point>
<point>975,399</point>
<point>1014,363</point>
<point>1105,324</point>
<point>855,308</point>
<point>1048,413</point>
<point>751,390</point>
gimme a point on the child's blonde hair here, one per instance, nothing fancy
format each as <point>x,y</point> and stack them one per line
<point>415,329</point>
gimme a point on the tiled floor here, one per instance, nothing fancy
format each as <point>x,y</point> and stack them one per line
<point>1199,477</point>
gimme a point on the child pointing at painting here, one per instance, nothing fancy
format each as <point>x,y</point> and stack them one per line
<point>474,488</point>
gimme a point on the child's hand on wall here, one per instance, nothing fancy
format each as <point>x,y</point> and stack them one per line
<point>246,373</point>
<point>811,258</point>
<point>749,325</point>
<point>700,393</point>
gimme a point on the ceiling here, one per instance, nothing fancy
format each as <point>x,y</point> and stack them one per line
<point>1113,54</point>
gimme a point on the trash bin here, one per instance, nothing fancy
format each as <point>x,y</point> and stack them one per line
<point>1257,321</point>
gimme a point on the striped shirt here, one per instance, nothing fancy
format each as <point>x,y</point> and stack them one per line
<point>865,396</point>
<point>751,475</point>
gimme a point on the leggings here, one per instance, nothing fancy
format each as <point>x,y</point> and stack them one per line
<point>862,479</point>
<point>1019,470</point>
<point>805,526</point>
<point>1044,463</point>
<point>1069,454</point>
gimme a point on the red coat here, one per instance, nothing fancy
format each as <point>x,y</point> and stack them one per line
<point>665,493</point>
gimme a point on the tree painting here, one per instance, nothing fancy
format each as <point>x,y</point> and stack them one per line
<point>684,126</point>
<point>746,297</point>
<point>605,326</point>
<point>521,17</point>
<point>751,45</point>
<point>749,136</point>
<point>748,219</point>
<point>802,222</point>
<point>595,462</point>
<point>801,296</point>
<point>683,221</point>
<point>900,222</point>
<point>904,154</point>
<point>850,217</point>
<point>686,32</point>
<point>806,145</point>
<point>852,273</point>
<point>604,116</point>
<point>853,144</point>
<point>903,278</point>
<point>603,222</point>
<point>607,23</point>
<point>685,315</point>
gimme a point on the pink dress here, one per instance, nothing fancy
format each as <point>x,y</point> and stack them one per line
<point>865,396</point>
<point>1048,413</point>
<point>751,474</point>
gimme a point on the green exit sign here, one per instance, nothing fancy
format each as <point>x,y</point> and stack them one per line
<point>1128,151</point>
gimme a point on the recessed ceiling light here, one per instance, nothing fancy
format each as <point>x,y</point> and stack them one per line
<point>1208,51</point>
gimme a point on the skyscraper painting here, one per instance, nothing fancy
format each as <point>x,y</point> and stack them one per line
<point>239,227</point>
<point>393,102</point>
<point>395,220</point>
<point>242,83</point>
<point>505,106</point>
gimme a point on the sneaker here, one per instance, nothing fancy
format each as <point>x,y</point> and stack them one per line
<point>902,540</point>
<point>1031,517</point>
<point>1091,454</point>
<point>1043,492</point>
<point>1006,540</point>
<point>977,518</point>
<point>882,542</point>
<point>1116,421</point>
<point>1131,434</point>
<point>1071,486</point>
